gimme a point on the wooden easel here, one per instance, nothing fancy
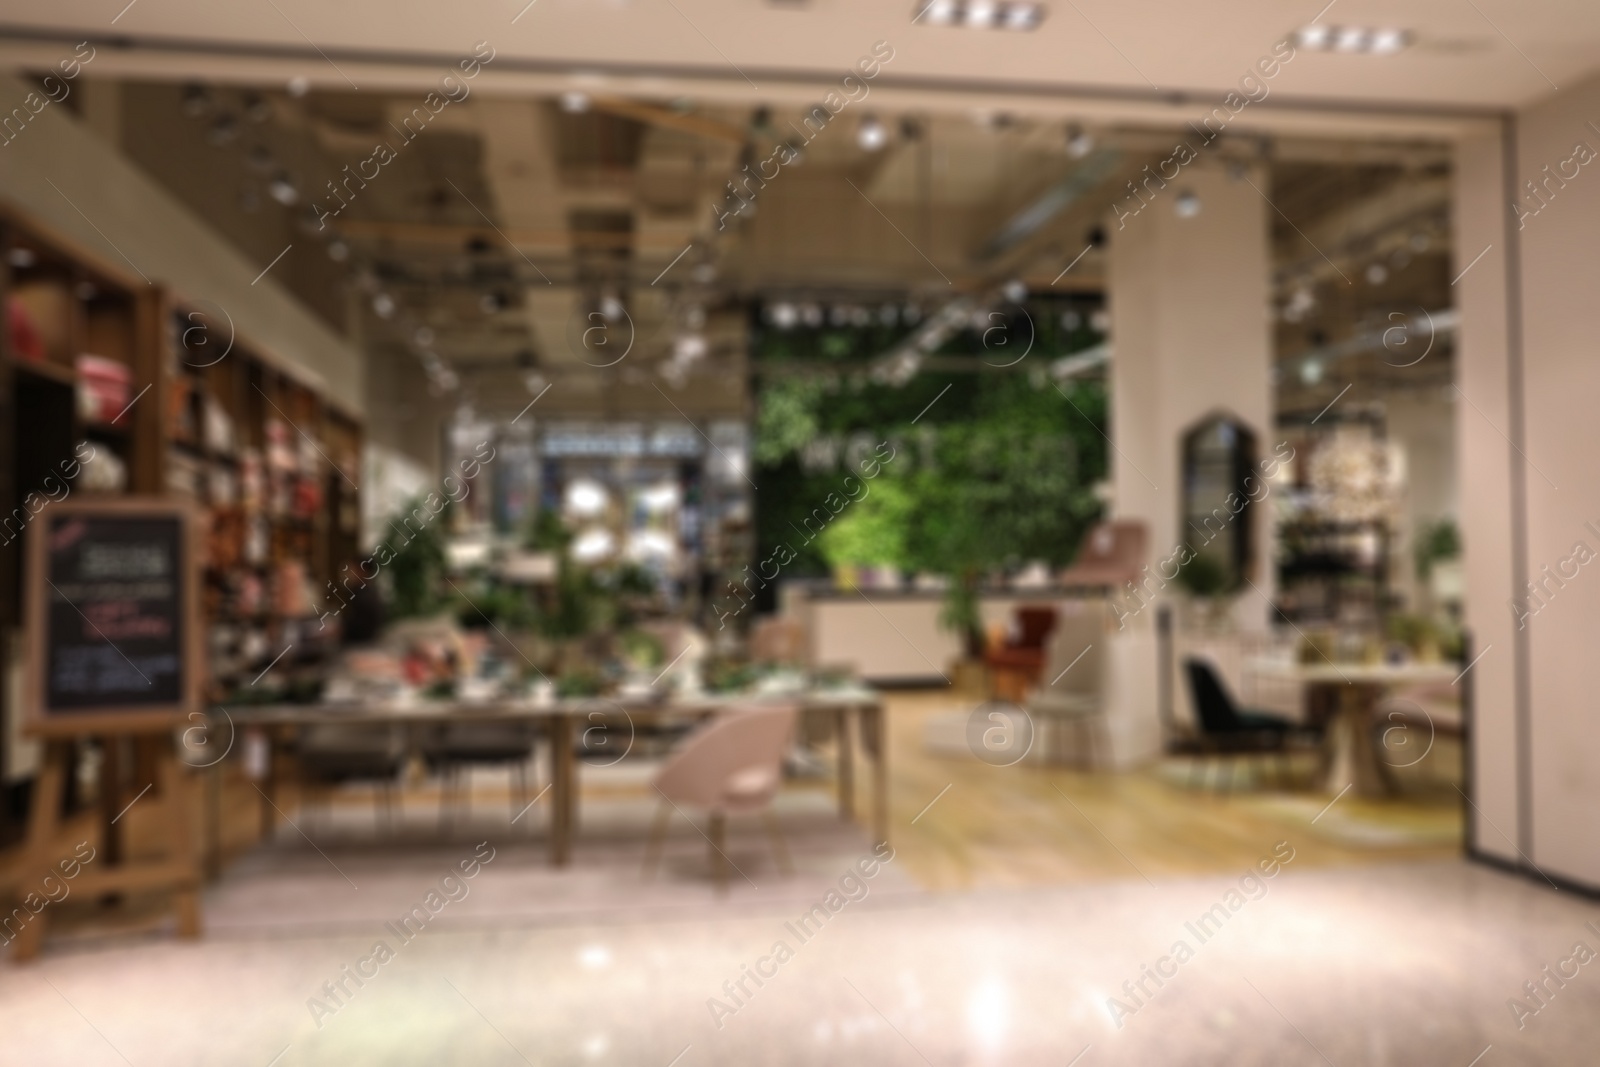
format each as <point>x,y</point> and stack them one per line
<point>50,841</point>
<point>150,723</point>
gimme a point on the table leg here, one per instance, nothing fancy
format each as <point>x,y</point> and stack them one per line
<point>271,790</point>
<point>1353,761</point>
<point>211,860</point>
<point>562,789</point>
<point>846,765</point>
<point>874,736</point>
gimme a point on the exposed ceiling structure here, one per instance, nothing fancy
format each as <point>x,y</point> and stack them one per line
<point>504,244</point>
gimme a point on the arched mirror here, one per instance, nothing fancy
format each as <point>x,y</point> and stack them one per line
<point>1218,456</point>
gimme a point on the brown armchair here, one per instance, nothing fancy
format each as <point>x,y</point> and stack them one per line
<point>1014,666</point>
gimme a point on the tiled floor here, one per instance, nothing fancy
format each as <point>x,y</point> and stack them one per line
<point>1390,965</point>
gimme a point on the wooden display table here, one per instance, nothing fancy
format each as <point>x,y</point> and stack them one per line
<point>1353,759</point>
<point>853,712</point>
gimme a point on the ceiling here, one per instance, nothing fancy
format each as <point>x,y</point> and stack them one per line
<point>1479,54</point>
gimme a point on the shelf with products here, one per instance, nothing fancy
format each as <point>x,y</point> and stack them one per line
<point>261,450</point>
<point>79,356</point>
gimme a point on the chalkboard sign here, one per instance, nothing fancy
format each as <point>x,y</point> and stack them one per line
<point>113,625</point>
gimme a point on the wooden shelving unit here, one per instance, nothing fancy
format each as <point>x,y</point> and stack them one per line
<point>277,467</point>
<point>275,463</point>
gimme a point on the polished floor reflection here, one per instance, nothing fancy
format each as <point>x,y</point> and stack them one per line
<point>1409,964</point>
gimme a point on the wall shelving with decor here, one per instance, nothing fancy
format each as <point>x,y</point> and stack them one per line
<point>111,385</point>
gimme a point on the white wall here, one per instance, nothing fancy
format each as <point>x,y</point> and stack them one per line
<point>1484,457</point>
<point>1189,321</point>
<point>1536,778</point>
<point>62,173</point>
<point>1561,392</point>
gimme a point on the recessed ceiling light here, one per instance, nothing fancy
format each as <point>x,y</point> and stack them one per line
<point>1350,39</point>
<point>981,14</point>
<point>1021,17</point>
<point>1353,40</point>
<point>574,102</point>
<point>1388,42</point>
<point>1187,204</point>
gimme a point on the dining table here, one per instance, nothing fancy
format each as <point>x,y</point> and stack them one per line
<point>853,712</point>
<point>1352,761</point>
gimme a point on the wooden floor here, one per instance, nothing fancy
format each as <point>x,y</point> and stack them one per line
<point>1027,825</point>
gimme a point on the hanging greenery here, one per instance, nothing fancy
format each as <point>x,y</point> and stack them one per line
<point>992,468</point>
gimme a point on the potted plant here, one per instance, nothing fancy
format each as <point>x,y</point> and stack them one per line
<point>1207,583</point>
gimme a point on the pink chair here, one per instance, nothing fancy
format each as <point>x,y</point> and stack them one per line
<point>732,765</point>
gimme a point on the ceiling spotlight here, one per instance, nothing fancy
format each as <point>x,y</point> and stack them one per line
<point>785,315</point>
<point>21,258</point>
<point>981,14</point>
<point>196,100</point>
<point>574,102</point>
<point>1311,371</point>
<point>611,308</point>
<point>222,131</point>
<point>256,108</point>
<point>1187,204</point>
<point>283,191</point>
<point>811,315</point>
<point>1353,40</point>
<point>299,86</point>
<point>1022,16</point>
<point>872,134</point>
<point>1016,290</point>
<point>383,305</point>
<point>686,348</point>
<point>1377,274</point>
<point>1313,37</point>
<point>1079,142</point>
<point>1388,42</point>
<point>1350,39</point>
<point>338,251</point>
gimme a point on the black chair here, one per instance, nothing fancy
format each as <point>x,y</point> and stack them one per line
<point>456,747</point>
<point>1227,731</point>
<point>331,754</point>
